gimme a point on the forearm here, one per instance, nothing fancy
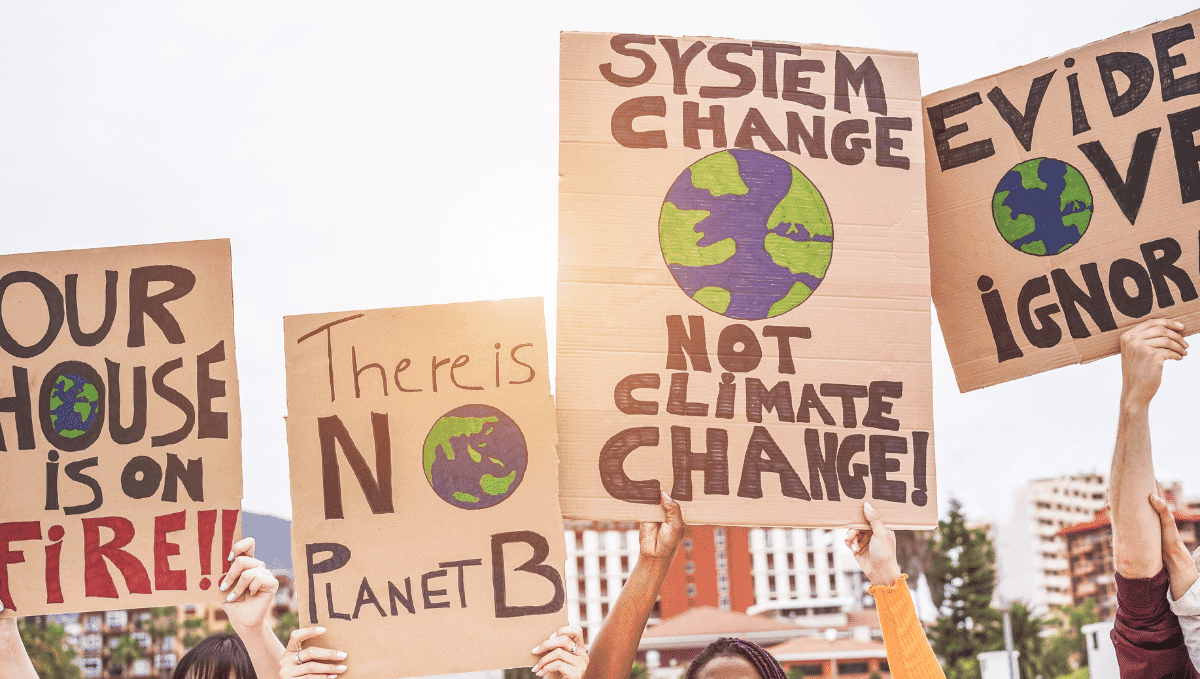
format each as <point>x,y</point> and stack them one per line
<point>615,647</point>
<point>1137,534</point>
<point>1182,570</point>
<point>908,651</point>
<point>264,648</point>
<point>14,660</point>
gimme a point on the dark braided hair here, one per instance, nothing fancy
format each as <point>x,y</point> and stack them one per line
<point>764,663</point>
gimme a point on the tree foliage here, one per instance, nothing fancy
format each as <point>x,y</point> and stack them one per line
<point>288,623</point>
<point>47,647</point>
<point>962,576</point>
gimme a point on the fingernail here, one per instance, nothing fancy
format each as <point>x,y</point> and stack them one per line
<point>341,655</point>
<point>230,556</point>
<point>341,668</point>
<point>867,506</point>
<point>223,586</point>
<point>535,648</point>
<point>230,597</point>
<point>320,630</point>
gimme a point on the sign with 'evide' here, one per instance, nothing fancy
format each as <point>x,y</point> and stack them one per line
<point>743,318</point>
<point>424,485</point>
<point>1063,203</point>
<point>120,433</point>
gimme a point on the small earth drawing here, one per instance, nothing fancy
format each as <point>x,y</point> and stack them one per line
<point>73,405</point>
<point>1042,206</point>
<point>475,457</point>
<point>746,234</point>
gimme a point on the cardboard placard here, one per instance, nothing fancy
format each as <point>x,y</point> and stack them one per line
<point>120,432</point>
<point>743,271</point>
<point>1063,203</point>
<point>424,485</point>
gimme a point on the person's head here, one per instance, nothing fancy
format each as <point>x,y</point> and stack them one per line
<point>728,658</point>
<point>221,656</point>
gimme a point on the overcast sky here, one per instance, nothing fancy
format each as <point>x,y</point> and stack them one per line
<point>365,155</point>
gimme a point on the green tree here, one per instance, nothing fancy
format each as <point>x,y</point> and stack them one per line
<point>962,576</point>
<point>638,671</point>
<point>288,622</point>
<point>1029,642</point>
<point>123,654</point>
<point>1073,618</point>
<point>47,646</point>
<point>193,632</point>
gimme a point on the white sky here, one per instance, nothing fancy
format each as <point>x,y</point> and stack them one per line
<point>366,155</point>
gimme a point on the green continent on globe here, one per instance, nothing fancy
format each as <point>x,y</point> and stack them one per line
<point>86,401</point>
<point>1011,229</point>
<point>1029,175</point>
<point>465,497</point>
<point>793,299</point>
<point>678,237</point>
<point>799,256</point>
<point>1078,196</point>
<point>448,428</point>
<point>803,204</point>
<point>714,298</point>
<point>497,485</point>
<point>719,175</point>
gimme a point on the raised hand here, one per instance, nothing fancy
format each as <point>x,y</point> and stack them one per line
<point>1144,349</point>
<point>875,549</point>
<point>1179,563</point>
<point>659,540</point>
<point>251,587</point>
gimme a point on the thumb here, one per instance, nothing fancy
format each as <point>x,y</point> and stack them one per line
<point>878,527</point>
<point>1160,506</point>
<point>674,515</point>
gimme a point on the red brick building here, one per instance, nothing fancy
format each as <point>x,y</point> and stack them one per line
<point>711,568</point>
<point>1090,557</point>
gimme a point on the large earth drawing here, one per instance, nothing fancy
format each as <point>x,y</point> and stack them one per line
<point>475,457</point>
<point>746,234</point>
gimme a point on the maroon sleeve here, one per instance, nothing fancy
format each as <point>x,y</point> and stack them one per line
<point>1146,634</point>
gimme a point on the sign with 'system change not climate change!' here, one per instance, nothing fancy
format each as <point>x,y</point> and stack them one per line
<point>1063,203</point>
<point>120,432</point>
<point>424,485</point>
<point>743,319</point>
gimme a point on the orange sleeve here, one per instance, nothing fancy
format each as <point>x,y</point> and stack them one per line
<point>908,651</point>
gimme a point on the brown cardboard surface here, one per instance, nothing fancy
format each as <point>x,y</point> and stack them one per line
<point>1134,261</point>
<point>869,316</point>
<point>136,502</point>
<point>404,384</point>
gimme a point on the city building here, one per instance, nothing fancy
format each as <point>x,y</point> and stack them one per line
<point>711,568</point>
<point>600,555</point>
<point>1031,557</point>
<point>854,657</point>
<point>1089,547</point>
<point>805,574</point>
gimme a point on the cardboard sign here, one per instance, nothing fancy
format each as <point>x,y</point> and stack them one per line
<point>743,267</point>
<point>421,443</point>
<point>120,434</point>
<point>1063,203</point>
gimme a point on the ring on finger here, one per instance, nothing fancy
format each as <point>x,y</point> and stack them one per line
<point>574,647</point>
<point>298,660</point>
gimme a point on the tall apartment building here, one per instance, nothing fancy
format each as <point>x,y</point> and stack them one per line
<point>805,574</point>
<point>1032,559</point>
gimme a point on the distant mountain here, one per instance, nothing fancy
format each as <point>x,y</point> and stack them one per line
<point>272,539</point>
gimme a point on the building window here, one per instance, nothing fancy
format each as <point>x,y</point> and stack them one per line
<point>832,583</point>
<point>91,642</point>
<point>812,669</point>
<point>93,623</point>
<point>792,583</point>
<point>812,561</point>
<point>168,644</point>
<point>808,539</point>
<point>788,537</point>
<point>164,661</point>
<point>791,560</point>
<point>725,603</point>
<point>689,567</point>
<point>142,638</point>
<point>771,562</point>
<point>853,667</point>
<point>141,667</point>
<point>579,565</point>
<point>116,618</point>
<point>691,590</point>
<point>603,565</point>
<point>771,583</point>
<point>687,544</point>
<point>829,558</point>
<point>767,533</point>
<point>91,667</point>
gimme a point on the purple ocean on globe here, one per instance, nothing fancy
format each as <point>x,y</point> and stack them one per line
<point>746,234</point>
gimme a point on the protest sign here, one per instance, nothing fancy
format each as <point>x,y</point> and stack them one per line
<point>743,272</point>
<point>424,485</point>
<point>120,432</point>
<point>1063,203</point>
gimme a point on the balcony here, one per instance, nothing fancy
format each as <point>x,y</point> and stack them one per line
<point>1085,589</point>
<point>1085,568</point>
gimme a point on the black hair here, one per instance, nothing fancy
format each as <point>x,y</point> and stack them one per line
<point>221,656</point>
<point>764,663</point>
